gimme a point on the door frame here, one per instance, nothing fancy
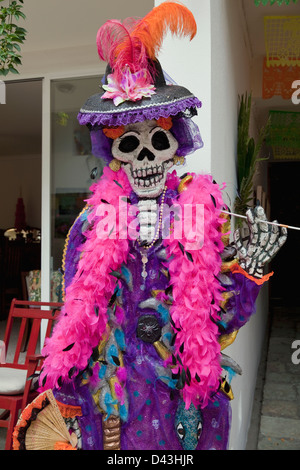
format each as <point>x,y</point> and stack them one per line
<point>46,264</point>
<point>46,261</point>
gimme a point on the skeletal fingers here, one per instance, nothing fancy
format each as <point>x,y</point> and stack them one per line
<point>265,240</point>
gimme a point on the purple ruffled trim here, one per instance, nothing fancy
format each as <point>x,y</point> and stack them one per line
<point>131,115</point>
<point>185,131</point>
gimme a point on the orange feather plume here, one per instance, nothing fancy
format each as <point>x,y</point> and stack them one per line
<point>151,30</point>
<point>146,36</point>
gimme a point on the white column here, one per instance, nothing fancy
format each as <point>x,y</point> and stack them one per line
<point>230,78</point>
<point>46,200</point>
<point>188,63</point>
<point>46,193</point>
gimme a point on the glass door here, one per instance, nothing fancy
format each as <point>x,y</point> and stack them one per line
<point>73,166</point>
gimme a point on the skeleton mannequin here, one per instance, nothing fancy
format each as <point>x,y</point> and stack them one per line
<point>146,152</point>
<point>138,346</point>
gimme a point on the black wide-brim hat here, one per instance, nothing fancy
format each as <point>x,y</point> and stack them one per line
<point>168,100</point>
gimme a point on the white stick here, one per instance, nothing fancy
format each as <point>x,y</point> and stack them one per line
<point>259,220</point>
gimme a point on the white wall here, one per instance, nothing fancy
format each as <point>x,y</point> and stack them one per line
<point>216,67</point>
<point>231,77</point>
<point>189,64</point>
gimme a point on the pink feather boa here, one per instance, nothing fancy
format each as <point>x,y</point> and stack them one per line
<point>79,326</point>
<point>196,291</point>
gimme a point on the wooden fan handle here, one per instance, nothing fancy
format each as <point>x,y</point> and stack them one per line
<point>111,433</point>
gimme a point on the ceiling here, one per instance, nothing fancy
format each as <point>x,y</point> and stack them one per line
<point>21,116</point>
<point>52,24</point>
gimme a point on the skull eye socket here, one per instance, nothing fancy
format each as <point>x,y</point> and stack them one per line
<point>160,141</point>
<point>129,144</point>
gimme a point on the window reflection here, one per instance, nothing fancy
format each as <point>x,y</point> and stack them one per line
<point>74,167</point>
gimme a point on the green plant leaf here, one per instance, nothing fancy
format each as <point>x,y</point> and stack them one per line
<point>12,69</point>
<point>247,156</point>
<point>11,36</point>
<point>4,71</point>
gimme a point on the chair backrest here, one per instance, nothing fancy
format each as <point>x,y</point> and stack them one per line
<point>25,319</point>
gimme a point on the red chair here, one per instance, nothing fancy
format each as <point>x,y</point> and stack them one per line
<point>16,382</point>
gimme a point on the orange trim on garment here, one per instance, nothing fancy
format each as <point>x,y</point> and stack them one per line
<point>25,417</point>
<point>63,446</point>
<point>236,268</point>
<point>69,411</point>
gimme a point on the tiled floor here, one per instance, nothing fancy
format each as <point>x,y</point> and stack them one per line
<point>280,411</point>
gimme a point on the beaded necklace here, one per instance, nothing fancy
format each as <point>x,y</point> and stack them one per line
<point>146,248</point>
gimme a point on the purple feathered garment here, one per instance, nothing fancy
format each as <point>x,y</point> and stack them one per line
<point>152,404</point>
<point>153,399</point>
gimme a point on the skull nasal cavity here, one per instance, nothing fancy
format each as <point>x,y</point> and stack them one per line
<point>146,153</point>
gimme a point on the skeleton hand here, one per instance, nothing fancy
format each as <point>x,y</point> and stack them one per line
<point>264,242</point>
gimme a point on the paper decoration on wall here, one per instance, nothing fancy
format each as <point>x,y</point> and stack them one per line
<point>284,137</point>
<point>282,40</point>
<point>279,2</point>
<point>277,81</point>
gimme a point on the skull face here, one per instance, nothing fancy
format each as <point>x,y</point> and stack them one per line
<point>146,152</point>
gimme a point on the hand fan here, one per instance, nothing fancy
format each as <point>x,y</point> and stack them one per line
<point>42,427</point>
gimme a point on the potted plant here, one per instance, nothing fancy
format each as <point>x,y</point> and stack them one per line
<point>247,158</point>
<point>11,36</point>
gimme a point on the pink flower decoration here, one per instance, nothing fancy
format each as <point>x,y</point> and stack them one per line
<point>133,87</point>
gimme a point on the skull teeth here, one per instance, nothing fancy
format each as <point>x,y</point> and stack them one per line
<point>147,176</point>
<point>144,172</point>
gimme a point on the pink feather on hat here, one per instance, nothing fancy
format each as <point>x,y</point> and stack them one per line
<point>135,41</point>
